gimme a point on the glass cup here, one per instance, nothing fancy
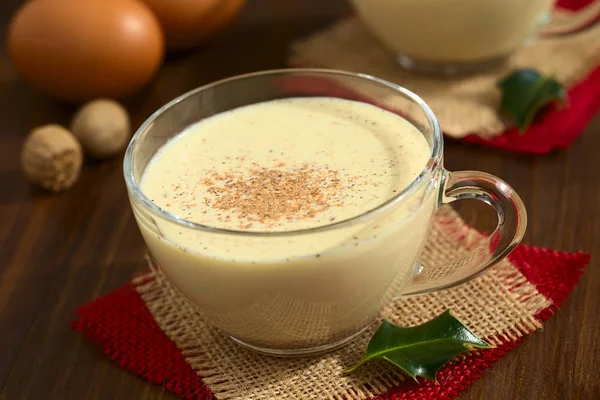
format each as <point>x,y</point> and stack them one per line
<point>309,301</point>
<point>455,36</point>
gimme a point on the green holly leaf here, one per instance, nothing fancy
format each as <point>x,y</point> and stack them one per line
<point>421,350</point>
<point>525,92</point>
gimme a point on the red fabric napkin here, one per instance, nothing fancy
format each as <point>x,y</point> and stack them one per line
<point>557,129</point>
<point>125,330</point>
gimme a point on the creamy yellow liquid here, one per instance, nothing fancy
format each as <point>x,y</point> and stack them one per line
<point>453,30</point>
<point>325,160</point>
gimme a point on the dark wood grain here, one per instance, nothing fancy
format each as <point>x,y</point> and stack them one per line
<point>59,251</point>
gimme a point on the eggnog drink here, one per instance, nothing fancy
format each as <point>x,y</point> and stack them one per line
<point>453,31</point>
<point>273,178</point>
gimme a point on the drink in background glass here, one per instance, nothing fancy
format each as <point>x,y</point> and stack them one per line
<point>289,216</point>
<point>453,35</point>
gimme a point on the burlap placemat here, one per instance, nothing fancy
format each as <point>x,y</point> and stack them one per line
<point>499,306</point>
<point>464,105</point>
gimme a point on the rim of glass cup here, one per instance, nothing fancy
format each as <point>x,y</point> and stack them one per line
<point>433,162</point>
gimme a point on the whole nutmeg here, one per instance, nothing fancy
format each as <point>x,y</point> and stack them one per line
<point>51,157</point>
<point>102,127</point>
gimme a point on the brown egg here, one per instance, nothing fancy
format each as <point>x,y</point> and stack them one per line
<point>84,49</point>
<point>188,23</point>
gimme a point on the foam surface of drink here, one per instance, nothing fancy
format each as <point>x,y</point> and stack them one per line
<point>286,165</point>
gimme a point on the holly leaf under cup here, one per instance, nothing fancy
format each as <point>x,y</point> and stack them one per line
<point>421,350</point>
<point>525,92</point>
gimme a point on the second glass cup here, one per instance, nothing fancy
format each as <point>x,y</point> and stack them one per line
<point>455,36</point>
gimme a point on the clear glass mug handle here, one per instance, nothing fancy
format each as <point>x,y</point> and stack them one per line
<point>564,24</point>
<point>512,221</point>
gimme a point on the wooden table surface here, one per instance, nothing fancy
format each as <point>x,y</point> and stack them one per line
<point>60,251</point>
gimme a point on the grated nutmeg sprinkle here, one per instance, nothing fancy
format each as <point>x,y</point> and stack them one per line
<point>269,195</point>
